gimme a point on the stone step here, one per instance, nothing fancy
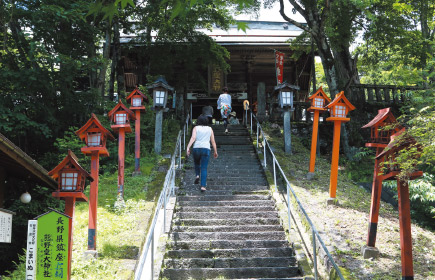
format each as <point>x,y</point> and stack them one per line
<point>208,197</point>
<point>228,203</point>
<point>184,236</point>
<point>224,273</point>
<point>221,228</point>
<point>230,262</point>
<point>226,215</point>
<point>212,187</point>
<point>228,209</point>
<point>226,244</point>
<point>222,222</point>
<point>232,253</point>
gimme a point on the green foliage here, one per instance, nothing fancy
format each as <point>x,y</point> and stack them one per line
<point>359,164</point>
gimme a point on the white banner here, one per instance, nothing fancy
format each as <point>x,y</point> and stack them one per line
<point>31,249</point>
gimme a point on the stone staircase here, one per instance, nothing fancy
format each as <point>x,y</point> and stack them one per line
<point>231,231</point>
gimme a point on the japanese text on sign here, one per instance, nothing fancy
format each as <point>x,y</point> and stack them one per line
<point>279,66</point>
<point>5,226</point>
<point>52,252</point>
<point>31,250</point>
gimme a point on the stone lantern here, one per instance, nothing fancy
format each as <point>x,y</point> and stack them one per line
<point>318,102</point>
<point>95,135</point>
<point>379,139</point>
<point>285,97</point>
<point>160,89</point>
<point>137,98</point>
<point>71,178</point>
<point>120,116</point>
<point>338,108</point>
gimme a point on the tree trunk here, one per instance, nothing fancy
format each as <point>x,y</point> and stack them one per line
<point>101,81</point>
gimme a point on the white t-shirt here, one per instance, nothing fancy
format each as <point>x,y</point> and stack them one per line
<point>203,134</point>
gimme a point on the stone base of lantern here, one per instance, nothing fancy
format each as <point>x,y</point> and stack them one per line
<point>90,254</point>
<point>369,252</point>
<point>332,201</point>
<point>310,175</point>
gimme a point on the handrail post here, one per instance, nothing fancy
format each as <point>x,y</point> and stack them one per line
<point>164,209</point>
<point>257,134</point>
<point>314,254</point>
<point>152,255</point>
<point>264,149</point>
<point>288,208</point>
<point>184,137</point>
<point>274,171</point>
<point>251,122</point>
<point>179,158</point>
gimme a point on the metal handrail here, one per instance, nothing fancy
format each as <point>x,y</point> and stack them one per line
<point>314,232</point>
<point>167,191</point>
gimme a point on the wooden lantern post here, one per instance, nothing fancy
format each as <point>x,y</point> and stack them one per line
<point>338,108</point>
<point>120,116</point>
<point>379,139</point>
<point>392,171</point>
<point>285,97</point>
<point>318,101</point>
<point>160,90</point>
<point>71,179</point>
<point>136,98</point>
<point>95,135</point>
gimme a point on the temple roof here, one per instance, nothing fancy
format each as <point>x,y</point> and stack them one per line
<point>20,165</point>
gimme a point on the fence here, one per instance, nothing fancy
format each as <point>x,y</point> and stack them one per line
<point>147,256</point>
<point>277,171</point>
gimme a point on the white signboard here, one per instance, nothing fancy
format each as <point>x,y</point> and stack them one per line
<point>5,226</point>
<point>31,249</point>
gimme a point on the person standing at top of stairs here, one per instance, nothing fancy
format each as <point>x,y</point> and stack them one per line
<point>202,136</point>
<point>224,105</point>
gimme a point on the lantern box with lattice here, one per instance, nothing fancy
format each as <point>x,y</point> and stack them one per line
<point>136,99</point>
<point>160,89</point>
<point>95,135</point>
<point>398,141</point>
<point>286,94</point>
<point>121,116</point>
<point>382,127</point>
<point>339,108</point>
<point>318,100</point>
<point>71,178</point>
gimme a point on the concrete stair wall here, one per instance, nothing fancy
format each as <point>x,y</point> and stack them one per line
<point>232,230</point>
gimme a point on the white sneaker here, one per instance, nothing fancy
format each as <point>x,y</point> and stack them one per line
<point>226,130</point>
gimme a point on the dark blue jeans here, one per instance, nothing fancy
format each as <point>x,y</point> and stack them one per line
<point>200,158</point>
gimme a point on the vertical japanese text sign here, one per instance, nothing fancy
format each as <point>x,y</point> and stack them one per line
<point>5,225</point>
<point>31,250</point>
<point>52,246</point>
<point>279,66</point>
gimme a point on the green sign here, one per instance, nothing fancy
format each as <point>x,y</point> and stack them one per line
<point>52,246</point>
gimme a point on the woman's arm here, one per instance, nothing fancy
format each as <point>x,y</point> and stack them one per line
<point>213,143</point>
<point>192,140</point>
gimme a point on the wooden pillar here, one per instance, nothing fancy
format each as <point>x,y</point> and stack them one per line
<point>334,161</point>
<point>405,230</point>
<point>2,186</point>
<point>121,161</point>
<point>69,210</point>
<point>93,201</point>
<point>314,138</point>
<point>375,202</point>
<point>137,144</point>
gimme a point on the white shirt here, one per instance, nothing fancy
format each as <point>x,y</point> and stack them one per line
<point>224,99</point>
<point>203,134</point>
